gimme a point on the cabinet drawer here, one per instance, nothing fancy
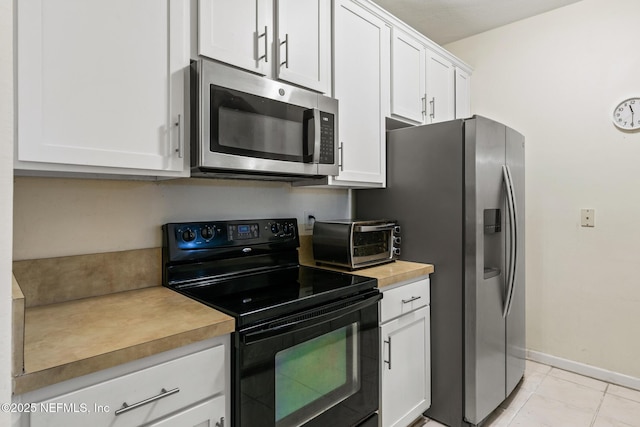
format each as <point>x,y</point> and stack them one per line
<point>195,376</point>
<point>404,299</point>
<point>209,413</point>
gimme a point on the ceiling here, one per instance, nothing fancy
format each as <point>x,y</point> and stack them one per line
<point>445,21</point>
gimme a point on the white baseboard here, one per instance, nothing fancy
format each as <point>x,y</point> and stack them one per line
<point>586,370</point>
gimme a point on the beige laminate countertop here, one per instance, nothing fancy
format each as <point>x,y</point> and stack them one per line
<point>387,274</point>
<point>69,339</point>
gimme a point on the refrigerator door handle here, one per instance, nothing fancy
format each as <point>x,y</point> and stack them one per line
<point>513,238</point>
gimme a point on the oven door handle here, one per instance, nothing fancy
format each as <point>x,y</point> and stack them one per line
<point>308,318</point>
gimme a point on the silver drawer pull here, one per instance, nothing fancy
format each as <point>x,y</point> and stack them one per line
<point>412,299</point>
<point>163,393</point>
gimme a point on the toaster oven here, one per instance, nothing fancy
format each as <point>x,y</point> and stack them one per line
<point>356,244</point>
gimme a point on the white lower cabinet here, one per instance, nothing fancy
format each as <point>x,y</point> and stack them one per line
<point>405,360</point>
<point>184,391</point>
<point>198,416</point>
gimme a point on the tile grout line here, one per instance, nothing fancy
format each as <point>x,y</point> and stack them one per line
<point>595,416</point>
<point>545,375</point>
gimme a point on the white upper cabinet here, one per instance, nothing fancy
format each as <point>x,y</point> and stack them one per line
<point>361,85</point>
<point>425,83</point>
<point>408,78</point>
<point>440,96</point>
<point>100,86</point>
<point>304,43</point>
<point>463,92</point>
<point>238,32</point>
<point>285,39</point>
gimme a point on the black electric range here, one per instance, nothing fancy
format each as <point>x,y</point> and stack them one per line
<point>249,269</point>
<point>306,347</point>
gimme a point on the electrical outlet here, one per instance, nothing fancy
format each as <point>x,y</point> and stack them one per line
<point>588,217</point>
<point>308,220</point>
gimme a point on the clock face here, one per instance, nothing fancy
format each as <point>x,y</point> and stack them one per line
<point>627,114</point>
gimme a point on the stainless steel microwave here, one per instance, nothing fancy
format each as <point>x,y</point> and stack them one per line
<point>244,125</point>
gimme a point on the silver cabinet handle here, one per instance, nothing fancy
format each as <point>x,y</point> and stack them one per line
<point>340,157</point>
<point>424,105</point>
<point>286,51</point>
<point>180,149</point>
<point>412,299</point>
<point>221,423</point>
<point>163,393</point>
<point>433,108</point>
<point>266,45</point>
<point>388,362</point>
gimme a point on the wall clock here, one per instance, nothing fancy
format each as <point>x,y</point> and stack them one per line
<point>626,115</point>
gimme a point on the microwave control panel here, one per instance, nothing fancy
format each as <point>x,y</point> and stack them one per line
<point>327,138</point>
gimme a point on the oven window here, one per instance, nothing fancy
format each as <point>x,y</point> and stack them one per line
<point>313,376</point>
<point>253,126</point>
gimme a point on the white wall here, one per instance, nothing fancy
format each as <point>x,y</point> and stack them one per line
<point>556,78</point>
<point>58,217</point>
<point>6,198</point>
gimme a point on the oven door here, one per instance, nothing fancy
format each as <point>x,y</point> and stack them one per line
<point>316,368</point>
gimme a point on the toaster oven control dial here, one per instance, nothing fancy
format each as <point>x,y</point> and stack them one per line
<point>188,235</point>
<point>207,232</point>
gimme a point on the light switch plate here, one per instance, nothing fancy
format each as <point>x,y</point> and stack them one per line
<point>588,217</point>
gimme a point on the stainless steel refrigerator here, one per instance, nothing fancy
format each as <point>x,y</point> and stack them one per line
<point>457,190</point>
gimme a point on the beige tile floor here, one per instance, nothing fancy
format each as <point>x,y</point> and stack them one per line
<point>555,398</point>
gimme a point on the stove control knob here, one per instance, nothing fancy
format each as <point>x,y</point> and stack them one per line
<point>285,228</point>
<point>207,232</point>
<point>188,235</point>
<point>275,228</point>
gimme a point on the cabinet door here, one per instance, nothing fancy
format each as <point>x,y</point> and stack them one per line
<point>304,43</point>
<point>361,84</point>
<point>98,90</point>
<point>408,75</point>
<point>463,94</point>
<point>440,88</point>
<point>405,368</point>
<point>207,414</point>
<point>238,32</point>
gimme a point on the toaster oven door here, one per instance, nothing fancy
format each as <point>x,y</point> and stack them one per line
<point>374,244</point>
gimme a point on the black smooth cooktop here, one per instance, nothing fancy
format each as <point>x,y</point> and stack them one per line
<point>258,297</point>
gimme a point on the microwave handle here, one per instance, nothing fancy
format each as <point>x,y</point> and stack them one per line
<point>312,136</point>
<point>380,227</point>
